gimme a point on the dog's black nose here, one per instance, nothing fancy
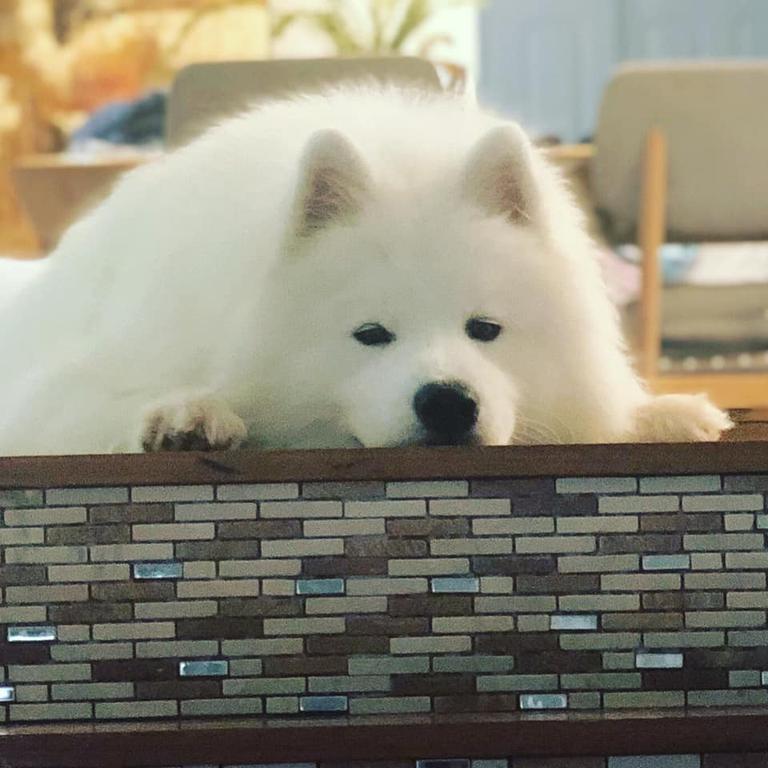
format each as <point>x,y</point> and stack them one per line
<point>447,411</point>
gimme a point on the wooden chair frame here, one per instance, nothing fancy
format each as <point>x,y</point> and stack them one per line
<point>728,390</point>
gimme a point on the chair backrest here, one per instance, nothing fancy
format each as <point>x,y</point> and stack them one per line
<point>204,93</point>
<point>715,118</point>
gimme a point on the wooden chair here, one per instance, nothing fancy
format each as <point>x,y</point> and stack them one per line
<point>682,155</point>
<point>203,93</point>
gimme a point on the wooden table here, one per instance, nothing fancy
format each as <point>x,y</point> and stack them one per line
<point>56,189</point>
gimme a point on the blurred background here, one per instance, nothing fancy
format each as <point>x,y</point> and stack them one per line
<point>83,97</point>
<point>88,77</point>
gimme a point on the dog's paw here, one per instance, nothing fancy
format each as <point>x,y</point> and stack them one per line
<point>196,424</point>
<point>679,419</point>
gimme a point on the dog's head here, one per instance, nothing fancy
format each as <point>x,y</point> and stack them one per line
<point>419,307</point>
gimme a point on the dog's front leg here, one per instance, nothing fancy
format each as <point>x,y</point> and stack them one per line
<point>191,422</point>
<point>678,419</point>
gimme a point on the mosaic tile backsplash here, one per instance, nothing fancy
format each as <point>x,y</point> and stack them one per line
<point>364,598</point>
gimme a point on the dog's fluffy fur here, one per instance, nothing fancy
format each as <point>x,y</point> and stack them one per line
<point>213,296</point>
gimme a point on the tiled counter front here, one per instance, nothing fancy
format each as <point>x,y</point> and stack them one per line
<point>375,597</point>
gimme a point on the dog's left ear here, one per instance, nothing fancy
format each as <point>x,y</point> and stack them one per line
<point>498,175</point>
<point>333,182</point>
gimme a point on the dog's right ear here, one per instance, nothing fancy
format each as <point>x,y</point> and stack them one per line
<point>333,182</point>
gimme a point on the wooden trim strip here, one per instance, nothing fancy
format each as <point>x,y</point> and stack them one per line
<point>730,389</point>
<point>651,235</point>
<point>384,464</point>
<point>386,738</point>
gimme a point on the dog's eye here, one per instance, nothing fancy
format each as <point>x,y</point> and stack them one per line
<point>482,330</point>
<point>374,335</point>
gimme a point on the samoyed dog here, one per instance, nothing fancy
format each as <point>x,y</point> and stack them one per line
<point>364,267</point>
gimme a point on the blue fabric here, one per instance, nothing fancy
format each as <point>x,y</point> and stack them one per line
<point>676,259</point>
<point>125,122</point>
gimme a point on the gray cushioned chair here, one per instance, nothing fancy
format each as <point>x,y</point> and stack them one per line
<point>203,93</point>
<point>682,155</point>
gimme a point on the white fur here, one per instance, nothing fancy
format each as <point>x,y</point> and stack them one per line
<point>218,288</point>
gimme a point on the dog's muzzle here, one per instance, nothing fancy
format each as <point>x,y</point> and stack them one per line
<point>448,413</point>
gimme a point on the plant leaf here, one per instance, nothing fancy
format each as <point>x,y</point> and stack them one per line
<point>334,24</point>
<point>417,12</point>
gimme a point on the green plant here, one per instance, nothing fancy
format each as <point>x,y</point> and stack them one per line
<point>372,26</point>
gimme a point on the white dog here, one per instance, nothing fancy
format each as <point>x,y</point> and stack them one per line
<point>362,267</point>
